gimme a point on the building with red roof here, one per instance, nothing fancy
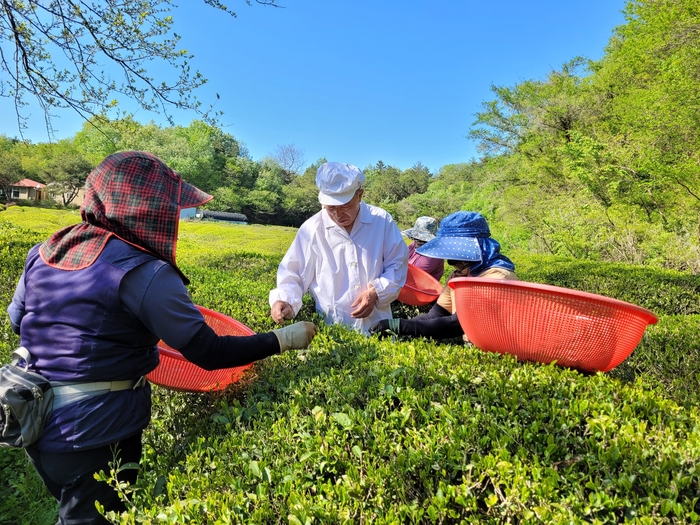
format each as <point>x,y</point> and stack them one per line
<point>26,189</point>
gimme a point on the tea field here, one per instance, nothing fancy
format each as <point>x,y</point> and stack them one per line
<point>361,430</point>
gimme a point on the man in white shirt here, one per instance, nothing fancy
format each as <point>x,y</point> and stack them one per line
<point>350,256</point>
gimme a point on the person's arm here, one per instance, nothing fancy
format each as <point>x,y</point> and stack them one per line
<point>211,351</point>
<point>295,272</point>
<point>154,292</point>
<point>16,309</point>
<point>437,323</point>
<point>395,254</point>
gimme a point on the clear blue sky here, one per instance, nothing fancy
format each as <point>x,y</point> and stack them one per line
<point>360,81</point>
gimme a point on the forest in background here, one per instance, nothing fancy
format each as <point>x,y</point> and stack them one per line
<point>599,161</point>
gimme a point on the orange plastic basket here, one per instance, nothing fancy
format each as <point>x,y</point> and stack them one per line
<point>542,323</point>
<point>420,289</point>
<point>177,373</point>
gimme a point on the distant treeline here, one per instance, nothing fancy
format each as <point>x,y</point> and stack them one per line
<point>599,161</point>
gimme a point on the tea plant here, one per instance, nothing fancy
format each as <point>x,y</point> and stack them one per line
<point>360,430</point>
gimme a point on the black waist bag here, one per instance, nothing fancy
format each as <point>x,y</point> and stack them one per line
<point>26,401</point>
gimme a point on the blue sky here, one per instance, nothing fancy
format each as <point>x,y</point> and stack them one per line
<point>360,81</point>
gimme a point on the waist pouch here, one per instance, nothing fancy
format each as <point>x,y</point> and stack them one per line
<point>26,399</point>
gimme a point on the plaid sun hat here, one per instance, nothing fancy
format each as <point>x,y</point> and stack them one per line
<point>424,229</point>
<point>132,195</point>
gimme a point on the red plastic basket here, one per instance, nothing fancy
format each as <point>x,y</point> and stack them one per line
<point>177,373</point>
<point>420,289</point>
<point>543,323</point>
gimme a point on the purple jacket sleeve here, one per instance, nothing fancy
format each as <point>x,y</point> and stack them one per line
<point>154,292</point>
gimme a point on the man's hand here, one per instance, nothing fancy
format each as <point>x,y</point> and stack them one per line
<point>281,310</point>
<point>364,304</point>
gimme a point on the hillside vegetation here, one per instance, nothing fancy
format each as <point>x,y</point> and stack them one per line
<point>600,160</point>
<point>358,430</point>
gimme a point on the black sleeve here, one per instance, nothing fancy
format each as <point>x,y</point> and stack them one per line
<point>211,351</point>
<point>435,312</point>
<point>438,323</point>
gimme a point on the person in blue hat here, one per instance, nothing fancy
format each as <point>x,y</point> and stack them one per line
<point>464,240</point>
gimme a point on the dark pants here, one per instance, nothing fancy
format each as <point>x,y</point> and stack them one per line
<point>69,478</point>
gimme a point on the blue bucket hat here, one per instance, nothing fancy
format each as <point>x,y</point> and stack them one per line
<point>465,236</point>
<point>424,229</point>
<point>457,237</point>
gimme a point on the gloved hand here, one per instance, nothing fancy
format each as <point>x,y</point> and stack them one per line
<point>295,336</point>
<point>386,328</point>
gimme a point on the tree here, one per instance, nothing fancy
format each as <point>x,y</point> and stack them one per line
<point>67,54</point>
<point>301,196</point>
<point>199,152</point>
<point>290,158</point>
<point>649,88</point>
<point>388,185</point>
<point>66,170</point>
<point>10,165</point>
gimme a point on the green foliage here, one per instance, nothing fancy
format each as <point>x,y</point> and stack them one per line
<point>669,354</point>
<point>66,170</point>
<point>599,160</point>
<point>300,199</point>
<point>11,169</point>
<point>664,292</point>
<point>387,184</point>
<point>24,499</point>
<point>199,152</point>
<point>649,77</point>
<point>355,429</point>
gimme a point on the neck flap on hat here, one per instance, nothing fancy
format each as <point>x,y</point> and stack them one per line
<point>491,256</point>
<point>131,195</point>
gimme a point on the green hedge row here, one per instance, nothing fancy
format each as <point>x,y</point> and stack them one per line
<point>356,430</point>
<point>664,292</point>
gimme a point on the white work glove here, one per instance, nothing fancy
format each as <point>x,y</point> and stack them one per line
<point>295,336</point>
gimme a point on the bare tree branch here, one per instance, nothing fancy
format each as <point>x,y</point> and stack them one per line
<point>290,158</point>
<point>83,54</point>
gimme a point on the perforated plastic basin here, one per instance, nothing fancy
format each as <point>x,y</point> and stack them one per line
<point>177,373</point>
<point>543,323</point>
<point>420,289</point>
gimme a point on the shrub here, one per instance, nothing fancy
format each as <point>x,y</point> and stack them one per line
<point>664,292</point>
<point>356,429</point>
<point>669,355</point>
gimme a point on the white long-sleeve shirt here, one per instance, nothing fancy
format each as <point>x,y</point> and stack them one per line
<point>336,266</point>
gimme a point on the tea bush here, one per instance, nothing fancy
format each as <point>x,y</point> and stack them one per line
<point>358,430</point>
<point>661,291</point>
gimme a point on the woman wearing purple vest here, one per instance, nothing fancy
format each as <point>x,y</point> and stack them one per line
<point>92,304</point>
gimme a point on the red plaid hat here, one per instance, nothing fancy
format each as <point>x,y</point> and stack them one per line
<point>132,195</point>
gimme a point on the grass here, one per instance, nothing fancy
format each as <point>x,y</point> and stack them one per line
<point>358,430</point>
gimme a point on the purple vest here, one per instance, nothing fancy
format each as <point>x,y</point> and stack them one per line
<point>77,330</point>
